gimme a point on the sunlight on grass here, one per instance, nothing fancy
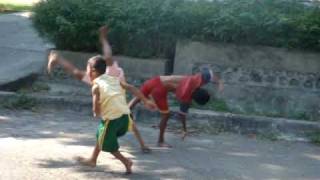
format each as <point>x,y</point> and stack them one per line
<point>16,5</point>
<point>19,2</point>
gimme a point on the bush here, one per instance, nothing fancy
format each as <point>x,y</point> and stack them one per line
<point>148,28</point>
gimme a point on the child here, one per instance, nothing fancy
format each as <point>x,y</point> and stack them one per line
<point>109,103</point>
<point>186,89</point>
<point>112,69</point>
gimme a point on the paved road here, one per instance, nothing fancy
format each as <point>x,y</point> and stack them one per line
<point>41,145</point>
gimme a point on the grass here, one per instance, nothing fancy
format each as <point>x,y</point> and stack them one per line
<point>216,105</point>
<point>36,87</point>
<point>271,136</point>
<point>7,6</point>
<point>315,137</point>
<point>220,105</point>
<point>20,102</point>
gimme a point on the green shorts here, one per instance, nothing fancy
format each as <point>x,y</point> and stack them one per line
<point>109,131</point>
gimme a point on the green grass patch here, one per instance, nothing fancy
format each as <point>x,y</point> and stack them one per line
<point>315,137</point>
<point>301,115</point>
<point>216,105</point>
<point>7,7</point>
<point>271,136</point>
<point>36,87</point>
<point>22,101</point>
<point>220,105</point>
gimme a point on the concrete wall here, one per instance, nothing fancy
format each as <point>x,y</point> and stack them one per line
<point>135,69</point>
<point>262,80</point>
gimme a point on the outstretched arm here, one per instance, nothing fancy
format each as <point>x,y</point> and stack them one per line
<point>106,48</point>
<point>148,103</point>
<point>55,59</point>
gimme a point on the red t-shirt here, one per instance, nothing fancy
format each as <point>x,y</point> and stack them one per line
<point>187,86</point>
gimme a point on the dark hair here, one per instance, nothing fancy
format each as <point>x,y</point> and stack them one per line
<point>99,64</point>
<point>201,96</point>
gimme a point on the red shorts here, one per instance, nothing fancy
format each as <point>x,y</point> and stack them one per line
<point>158,92</point>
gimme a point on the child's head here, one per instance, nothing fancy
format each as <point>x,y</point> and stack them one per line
<point>96,67</point>
<point>201,96</point>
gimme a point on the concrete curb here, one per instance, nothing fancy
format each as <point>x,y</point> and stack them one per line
<point>56,102</point>
<point>293,130</point>
<point>279,128</point>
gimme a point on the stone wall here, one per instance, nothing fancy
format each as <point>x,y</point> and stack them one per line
<point>262,80</point>
<point>136,69</point>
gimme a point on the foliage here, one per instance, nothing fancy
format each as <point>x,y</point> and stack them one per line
<point>148,28</point>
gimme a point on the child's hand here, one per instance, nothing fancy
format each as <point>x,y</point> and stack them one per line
<point>150,105</point>
<point>53,56</point>
<point>103,31</point>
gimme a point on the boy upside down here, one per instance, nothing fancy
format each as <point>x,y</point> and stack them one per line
<point>185,88</point>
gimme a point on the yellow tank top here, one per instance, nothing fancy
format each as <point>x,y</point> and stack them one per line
<point>112,97</point>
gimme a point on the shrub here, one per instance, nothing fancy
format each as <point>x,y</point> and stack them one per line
<point>147,28</point>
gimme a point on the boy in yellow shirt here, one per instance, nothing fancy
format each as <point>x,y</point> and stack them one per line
<point>109,103</point>
<point>112,69</point>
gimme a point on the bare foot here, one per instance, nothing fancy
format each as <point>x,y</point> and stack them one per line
<point>52,60</point>
<point>146,150</point>
<point>128,165</point>
<point>164,145</point>
<point>85,161</point>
